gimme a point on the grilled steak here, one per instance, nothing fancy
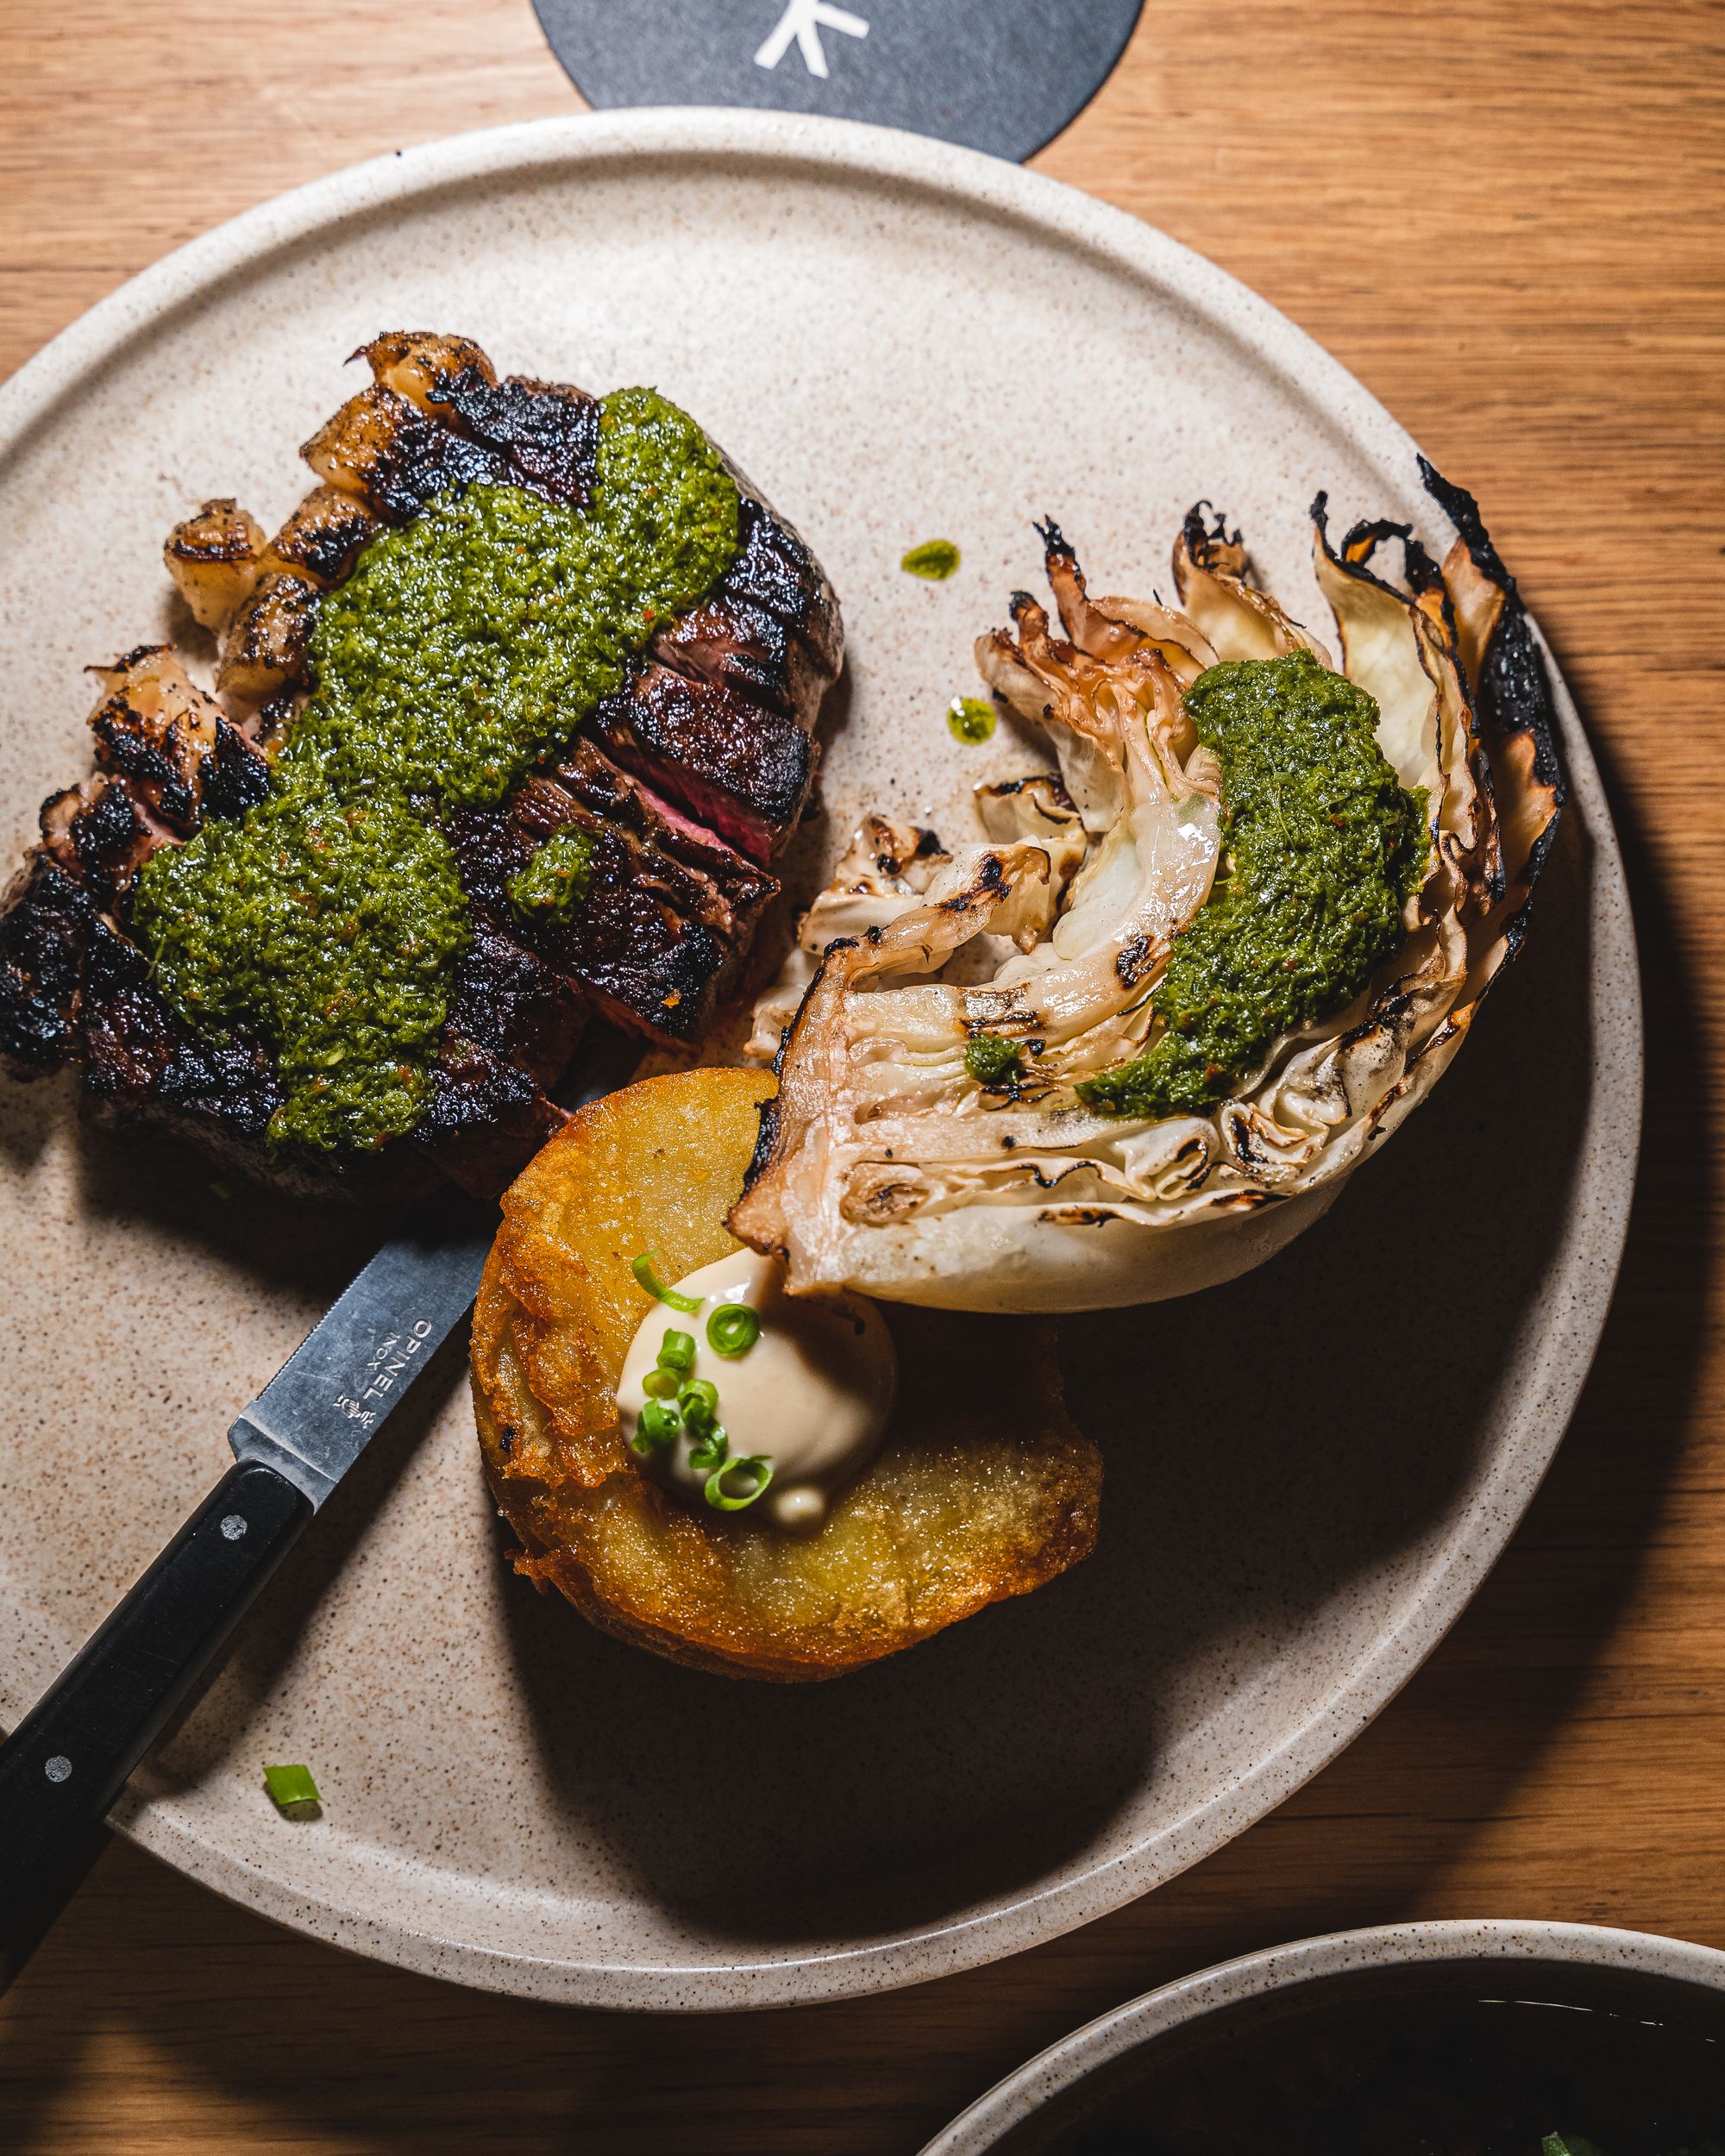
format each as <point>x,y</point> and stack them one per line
<point>740,768</point>
<point>671,801</point>
<point>668,911</point>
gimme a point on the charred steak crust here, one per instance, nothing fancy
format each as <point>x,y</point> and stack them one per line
<point>743,770</point>
<point>686,783</point>
<point>669,914</point>
<point>44,933</point>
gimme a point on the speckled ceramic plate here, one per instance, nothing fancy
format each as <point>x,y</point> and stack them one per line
<point>1309,1471</point>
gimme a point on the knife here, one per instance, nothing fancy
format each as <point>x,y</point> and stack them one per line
<point>68,1760</point>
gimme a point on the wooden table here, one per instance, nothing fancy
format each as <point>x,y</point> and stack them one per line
<point>1504,215</point>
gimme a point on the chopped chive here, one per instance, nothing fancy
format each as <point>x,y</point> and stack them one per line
<point>732,1330</point>
<point>722,1500</point>
<point>293,1791</point>
<point>657,1425</point>
<point>935,559</point>
<point>698,1404</point>
<point>677,1351</point>
<point>661,1384</point>
<point>712,1451</point>
<point>642,1270</point>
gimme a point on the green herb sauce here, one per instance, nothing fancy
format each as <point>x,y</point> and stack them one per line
<point>328,931</point>
<point>1321,848</point>
<point>935,559</point>
<point>557,878</point>
<point>969,719</point>
<point>995,1062</point>
<point>465,646</point>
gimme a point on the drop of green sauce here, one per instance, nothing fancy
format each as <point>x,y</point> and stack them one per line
<point>557,878</point>
<point>935,559</point>
<point>969,719</point>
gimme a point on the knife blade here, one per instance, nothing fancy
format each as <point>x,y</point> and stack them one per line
<point>327,1401</point>
<point>68,1760</point>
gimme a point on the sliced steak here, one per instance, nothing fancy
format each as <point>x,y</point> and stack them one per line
<point>144,1071</point>
<point>740,769</point>
<point>775,572</point>
<point>170,757</point>
<point>512,1029</point>
<point>720,718</point>
<point>139,1058</point>
<point>770,629</point>
<point>739,646</point>
<point>669,910</point>
<point>691,778</point>
<point>436,418</point>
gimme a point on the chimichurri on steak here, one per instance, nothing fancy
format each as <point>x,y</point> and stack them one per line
<point>464,646</point>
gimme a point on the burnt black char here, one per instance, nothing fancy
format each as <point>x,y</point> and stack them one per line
<point>669,910</point>
<point>514,1023</point>
<point>44,931</point>
<point>731,764</point>
<point>385,448</point>
<point>693,778</point>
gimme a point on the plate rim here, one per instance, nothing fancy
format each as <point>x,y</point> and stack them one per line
<point>1054,211</point>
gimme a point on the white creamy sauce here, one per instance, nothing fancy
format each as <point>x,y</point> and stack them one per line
<point>812,1395</point>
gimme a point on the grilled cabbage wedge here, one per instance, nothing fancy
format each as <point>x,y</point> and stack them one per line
<point>983,1488</point>
<point>959,1122</point>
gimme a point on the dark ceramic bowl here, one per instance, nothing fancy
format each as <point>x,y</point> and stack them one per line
<point>1414,2035</point>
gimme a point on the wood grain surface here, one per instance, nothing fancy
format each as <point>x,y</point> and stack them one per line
<point>1504,215</point>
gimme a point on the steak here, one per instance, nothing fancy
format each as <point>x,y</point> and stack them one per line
<point>669,911</point>
<point>683,787</point>
<point>740,768</point>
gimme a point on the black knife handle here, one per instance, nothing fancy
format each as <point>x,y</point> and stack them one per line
<point>65,1764</point>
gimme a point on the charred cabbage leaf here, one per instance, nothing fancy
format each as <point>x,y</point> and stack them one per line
<point>1133,1043</point>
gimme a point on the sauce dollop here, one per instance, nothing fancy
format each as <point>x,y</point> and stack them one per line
<point>1322,849</point>
<point>811,1396</point>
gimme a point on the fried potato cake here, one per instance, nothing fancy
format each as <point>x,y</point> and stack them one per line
<point>983,1488</point>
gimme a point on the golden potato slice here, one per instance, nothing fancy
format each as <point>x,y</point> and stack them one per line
<point>983,1489</point>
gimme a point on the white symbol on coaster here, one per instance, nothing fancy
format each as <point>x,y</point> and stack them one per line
<point>804,20</point>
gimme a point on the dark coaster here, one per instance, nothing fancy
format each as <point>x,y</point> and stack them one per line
<point>1000,75</point>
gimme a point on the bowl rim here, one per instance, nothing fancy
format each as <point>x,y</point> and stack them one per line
<point>1073,2059</point>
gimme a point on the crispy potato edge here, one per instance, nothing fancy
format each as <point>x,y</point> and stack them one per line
<point>551,1321</point>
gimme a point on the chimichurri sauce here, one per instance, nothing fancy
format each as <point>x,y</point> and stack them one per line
<point>1321,848</point>
<point>464,646</point>
<point>995,1062</point>
<point>557,878</point>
